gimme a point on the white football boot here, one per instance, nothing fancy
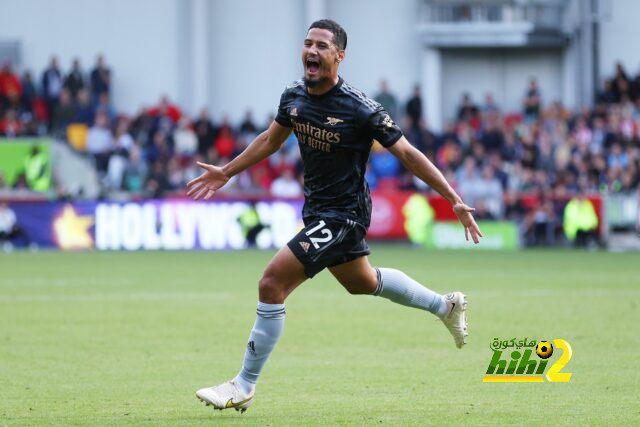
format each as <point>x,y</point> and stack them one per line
<point>225,396</point>
<point>456,318</point>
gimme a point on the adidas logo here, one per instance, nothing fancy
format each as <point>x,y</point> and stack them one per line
<point>293,112</point>
<point>305,246</point>
<point>251,346</point>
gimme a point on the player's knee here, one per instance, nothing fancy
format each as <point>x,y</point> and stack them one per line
<point>269,290</point>
<point>359,287</point>
<point>356,291</point>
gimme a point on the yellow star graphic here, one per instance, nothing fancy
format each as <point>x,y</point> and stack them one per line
<point>71,230</point>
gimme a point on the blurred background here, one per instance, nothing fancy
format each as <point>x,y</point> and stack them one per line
<point>531,108</point>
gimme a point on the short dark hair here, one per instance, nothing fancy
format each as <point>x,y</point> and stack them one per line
<point>339,34</point>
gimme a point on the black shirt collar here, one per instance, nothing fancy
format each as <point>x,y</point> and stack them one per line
<point>335,88</point>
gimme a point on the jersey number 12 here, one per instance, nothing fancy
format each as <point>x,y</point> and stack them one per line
<point>325,232</point>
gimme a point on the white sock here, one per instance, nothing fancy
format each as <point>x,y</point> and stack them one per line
<point>398,287</point>
<point>262,339</point>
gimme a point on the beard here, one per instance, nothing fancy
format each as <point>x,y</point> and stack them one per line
<point>314,82</point>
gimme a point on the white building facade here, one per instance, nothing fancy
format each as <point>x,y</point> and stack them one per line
<point>235,55</point>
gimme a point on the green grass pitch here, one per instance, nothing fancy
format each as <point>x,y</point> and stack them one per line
<point>127,338</point>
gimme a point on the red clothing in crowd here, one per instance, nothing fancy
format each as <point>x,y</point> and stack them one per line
<point>10,85</point>
<point>10,126</point>
<point>165,108</point>
<point>262,175</point>
<point>224,143</point>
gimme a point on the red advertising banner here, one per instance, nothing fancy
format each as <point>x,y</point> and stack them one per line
<point>388,219</point>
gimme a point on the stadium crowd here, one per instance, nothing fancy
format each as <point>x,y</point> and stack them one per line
<point>544,151</point>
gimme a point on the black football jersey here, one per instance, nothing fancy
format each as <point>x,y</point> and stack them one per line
<point>335,132</point>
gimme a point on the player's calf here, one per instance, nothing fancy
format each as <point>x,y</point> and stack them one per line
<point>451,308</point>
<point>398,287</point>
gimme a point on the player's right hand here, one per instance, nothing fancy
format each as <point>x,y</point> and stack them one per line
<point>206,185</point>
<point>463,212</point>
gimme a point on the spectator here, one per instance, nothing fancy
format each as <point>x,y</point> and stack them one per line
<point>52,87</point>
<point>387,100</point>
<point>100,79</point>
<point>486,188</point>
<point>123,139</point>
<point>286,185</point>
<point>104,106</point>
<point>482,212</point>
<point>175,174</point>
<point>225,143</point>
<point>29,92</point>
<point>10,125</point>
<point>100,142</point>
<point>620,85</point>
<point>135,174</point>
<point>492,138</point>
<point>261,176</point>
<point>422,138</point>
<point>157,183</point>
<point>159,151</point>
<point>10,88</point>
<point>606,94</point>
<point>10,230</point>
<point>118,160</point>
<point>414,107</point>
<point>513,207</point>
<point>37,170</point>
<point>165,111</point>
<point>580,221</point>
<point>540,222</point>
<point>467,178</point>
<point>617,158</point>
<point>74,81</point>
<point>490,192</point>
<point>627,184</point>
<point>545,158</point>
<point>205,132</point>
<point>468,111</point>
<point>250,223</point>
<point>495,160</point>
<point>449,156</point>
<point>64,113</point>
<point>84,111</point>
<point>248,127</point>
<point>489,108</point>
<point>184,139</point>
<point>384,164</point>
<point>532,101</point>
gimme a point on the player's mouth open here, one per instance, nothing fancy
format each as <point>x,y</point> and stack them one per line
<point>313,66</point>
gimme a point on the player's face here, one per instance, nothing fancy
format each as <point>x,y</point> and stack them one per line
<point>320,56</point>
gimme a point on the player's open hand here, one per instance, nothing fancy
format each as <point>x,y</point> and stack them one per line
<point>463,212</point>
<point>206,185</point>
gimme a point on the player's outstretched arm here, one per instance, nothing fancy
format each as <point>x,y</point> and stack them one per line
<point>420,166</point>
<point>214,177</point>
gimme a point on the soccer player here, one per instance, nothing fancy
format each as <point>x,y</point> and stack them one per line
<point>335,125</point>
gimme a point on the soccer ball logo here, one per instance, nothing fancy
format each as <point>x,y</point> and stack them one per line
<point>544,349</point>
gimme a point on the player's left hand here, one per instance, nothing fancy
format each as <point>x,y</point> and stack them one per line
<point>463,212</point>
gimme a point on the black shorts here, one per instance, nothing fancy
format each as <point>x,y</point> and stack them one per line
<point>328,242</point>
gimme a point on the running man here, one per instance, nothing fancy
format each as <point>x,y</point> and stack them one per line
<point>335,125</point>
